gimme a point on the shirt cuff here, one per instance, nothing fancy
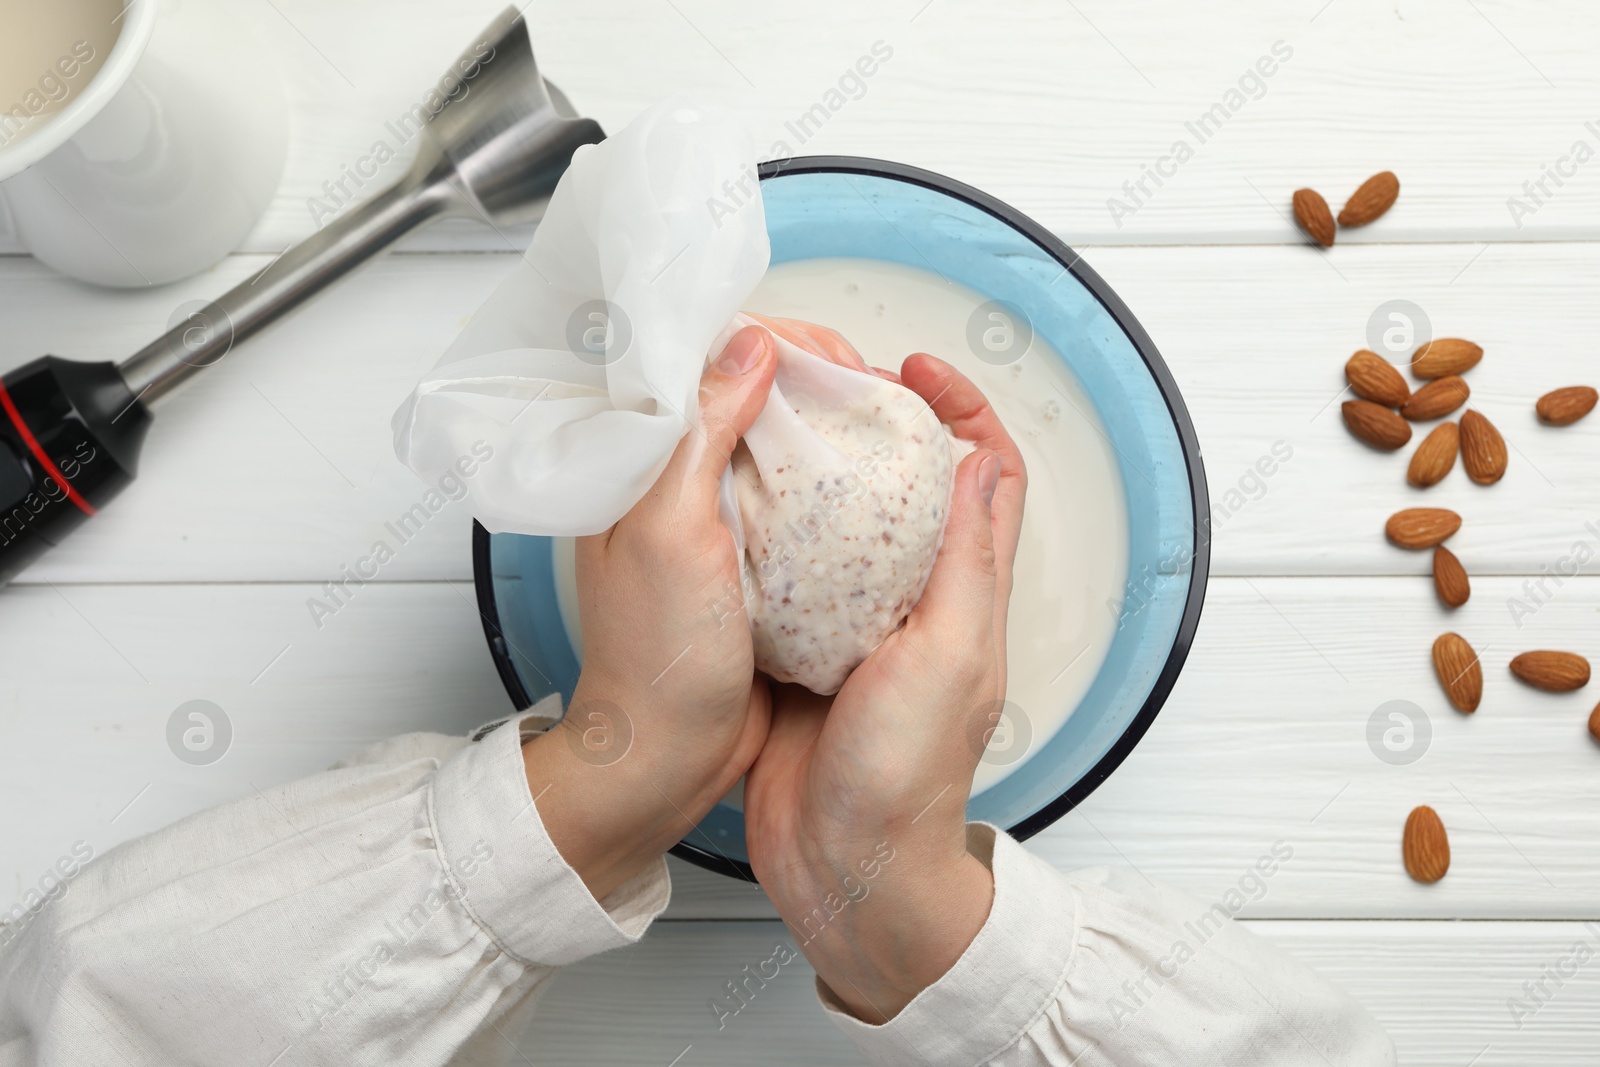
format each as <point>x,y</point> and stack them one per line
<point>508,873</point>
<point>1010,974</point>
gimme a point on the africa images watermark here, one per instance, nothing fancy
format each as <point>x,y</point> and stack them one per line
<point>1250,487</point>
<point>742,991</point>
<point>51,885</point>
<point>1251,886</point>
<point>53,87</point>
<point>451,487</point>
<point>805,530</point>
<point>15,522</point>
<point>1251,85</point>
<point>850,85</point>
<point>1538,992</point>
<point>352,978</point>
<point>1536,592</point>
<point>338,193</point>
<point>199,732</point>
<point>1537,192</point>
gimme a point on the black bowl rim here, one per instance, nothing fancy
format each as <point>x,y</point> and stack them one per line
<point>713,860</point>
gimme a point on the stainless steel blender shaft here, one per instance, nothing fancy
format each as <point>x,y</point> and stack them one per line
<point>494,151</point>
<point>207,334</point>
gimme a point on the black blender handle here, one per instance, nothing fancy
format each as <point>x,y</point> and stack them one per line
<point>69,441</point>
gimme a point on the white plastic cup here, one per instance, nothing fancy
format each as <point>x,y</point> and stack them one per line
<point>163,162</point>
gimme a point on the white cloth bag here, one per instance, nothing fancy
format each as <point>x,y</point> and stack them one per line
<point>582,369</point>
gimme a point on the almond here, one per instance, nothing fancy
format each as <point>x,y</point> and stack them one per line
<point>1422,527</point>
<point>1375,196</point>
<point>1436,399</point>
<point>1375,424</point>
<point>1374,378</point>
<point>1447,355</point>
<point>1459,671</point>
<point>1483,450</point>
<point>1555,672</point>
<point>1565,406</point>
<point>1311,212</point>
<point>1425,847</point>
<point>1434,457</point>
<point>1450,578</point>
<point>1594,722</point>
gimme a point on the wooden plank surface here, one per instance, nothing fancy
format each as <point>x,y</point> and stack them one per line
<point>1051,107</point>
<point>1264,739</point>
<point>277,463</point>
<point>1439,989</point>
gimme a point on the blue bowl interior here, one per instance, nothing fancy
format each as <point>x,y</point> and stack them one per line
<point>858,208</point>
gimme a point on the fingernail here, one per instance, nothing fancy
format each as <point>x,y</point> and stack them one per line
<point>988,478</point>
<point>744,351</point>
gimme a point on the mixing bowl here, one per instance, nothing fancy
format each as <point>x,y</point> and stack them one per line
<point>831,206</point>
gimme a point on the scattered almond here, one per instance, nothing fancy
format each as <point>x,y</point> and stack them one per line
<point>1450,578</point>
<point>1422,527</point>
<point>1425,847</point>
<point>1436,399</point>
<point>1376,195</point>
<point>1566,406</point>
<point>1311,212</point>
<point>1594,722</point>
<point>1375,424</point>
<point>1447,355</point>
<point>1483,450</point>
<point>1374,378</point>
<point>1434,457</point>
<point>1555,672</point>
<point>1459,671</point>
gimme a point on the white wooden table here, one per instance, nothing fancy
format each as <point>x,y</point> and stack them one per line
<point>274,469</point>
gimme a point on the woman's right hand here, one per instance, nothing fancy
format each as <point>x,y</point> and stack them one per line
<point>861,797</point>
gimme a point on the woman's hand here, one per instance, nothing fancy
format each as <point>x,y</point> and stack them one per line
<point>855,808</point>
<point>668,711</point>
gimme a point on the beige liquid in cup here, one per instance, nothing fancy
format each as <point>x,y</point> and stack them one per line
<point>49,52</point>
<point>1073,556</point>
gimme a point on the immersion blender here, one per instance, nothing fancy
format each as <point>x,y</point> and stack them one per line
<point>70,432</point>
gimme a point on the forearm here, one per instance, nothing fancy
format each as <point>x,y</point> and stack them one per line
<point>615,791</point>
<point>373,912</point>
<point>881,927</point>
<point>608,821</point>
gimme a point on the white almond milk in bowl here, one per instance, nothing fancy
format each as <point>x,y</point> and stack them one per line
<point>1073,557</point>
<point>1111,569</point>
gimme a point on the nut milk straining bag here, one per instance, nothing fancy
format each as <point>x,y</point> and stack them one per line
<point>842,487</point>
<point>581,372</point>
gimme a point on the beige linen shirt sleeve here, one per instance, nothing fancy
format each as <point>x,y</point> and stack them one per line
<point>407,906</point>
<point>1103,967</point>
<point>402,907</point>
